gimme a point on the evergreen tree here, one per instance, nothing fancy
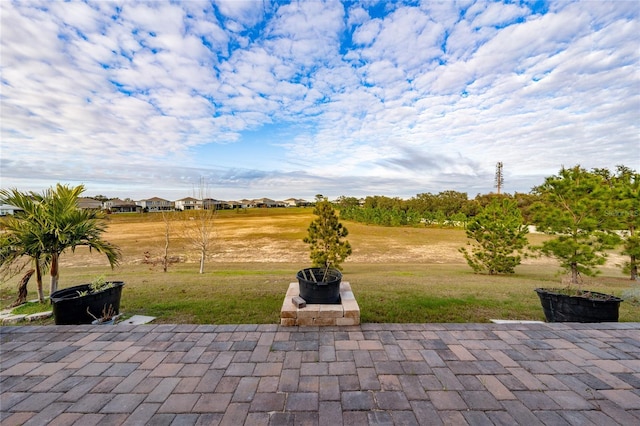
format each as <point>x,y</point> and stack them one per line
<point>573,207</point>
<point>625,209</point>
<point>498,231</point>
<point>325,235</point>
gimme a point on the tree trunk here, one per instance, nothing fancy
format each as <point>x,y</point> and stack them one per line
<point>574,274</point>
<point>22,289</point>
<point>53,286</point>
<point>634,268</point>
<point>202,256</point>
<point>39,280</point>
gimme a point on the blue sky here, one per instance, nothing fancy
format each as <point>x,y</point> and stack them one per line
<point>287,99</point>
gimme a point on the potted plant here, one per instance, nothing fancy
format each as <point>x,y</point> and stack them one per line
<point>320,285</point>
<point>576,305</point>
<point>573,208</point>
<point>48,225</point>
<point>321,282</point>
<point>85,303</point>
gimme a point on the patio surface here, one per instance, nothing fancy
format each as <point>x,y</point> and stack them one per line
<point>384,374</point>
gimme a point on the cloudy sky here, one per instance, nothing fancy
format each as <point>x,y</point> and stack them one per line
<point>285,99</point>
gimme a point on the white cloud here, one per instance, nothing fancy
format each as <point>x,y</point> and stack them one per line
<point>418,99</point>
<point>243,12</point>
<point>497,14</point>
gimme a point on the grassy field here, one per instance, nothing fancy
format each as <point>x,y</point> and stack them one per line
<point>397,274</point>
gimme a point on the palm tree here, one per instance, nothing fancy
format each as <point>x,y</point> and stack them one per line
<point>56,224</point>
<point>22,236</point>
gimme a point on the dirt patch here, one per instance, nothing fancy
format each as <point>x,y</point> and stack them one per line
<point>273,239</point>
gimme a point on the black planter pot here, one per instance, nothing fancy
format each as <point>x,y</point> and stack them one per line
<point>71,308</point>
<point>598,307</point>
<point>325,291</point>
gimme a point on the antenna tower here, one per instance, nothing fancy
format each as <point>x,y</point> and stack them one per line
<point>499,177</point>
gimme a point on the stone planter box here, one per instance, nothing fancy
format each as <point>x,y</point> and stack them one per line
<point>346,312</point>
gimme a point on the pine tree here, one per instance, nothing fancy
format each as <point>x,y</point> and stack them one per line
<point>625,210</point>
<point>573,208</point>
<point>498,231</point>
<point>324,237</point>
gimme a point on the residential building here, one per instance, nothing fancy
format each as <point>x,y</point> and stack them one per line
<point>295,202</point>
<point>119,206</point>
<point>156,204</point>
<point>188,203</point>
<point>87,203</point>
<point>264,202</point>
<point>7,209</point>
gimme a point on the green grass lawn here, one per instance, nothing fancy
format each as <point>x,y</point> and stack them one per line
<point>409,293</point>
<point>402,275</point>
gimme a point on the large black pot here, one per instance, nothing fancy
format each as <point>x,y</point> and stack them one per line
<point>71,308</point>
<point>320,291</point>
<point>589,307</point>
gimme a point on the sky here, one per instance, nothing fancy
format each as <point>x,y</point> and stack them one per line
<point>250,99</point>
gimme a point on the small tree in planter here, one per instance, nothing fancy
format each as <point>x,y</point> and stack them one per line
<point>499,233</point>
<point>573,208</point>
<point>321,283</point>
<point>55,224</point>
<point>325,236</point>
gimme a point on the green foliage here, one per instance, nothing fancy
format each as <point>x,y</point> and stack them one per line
<point>100,284</point>
<point>631,248</point>
<point>573,206</point>
<point>625,213</point>
<point>445,209</point>
<point>448,208</point>
<point>324,237</point>
<point>22,236</point>
<point>53,223</point>
<point>498,232</point>
<point>346,202</point>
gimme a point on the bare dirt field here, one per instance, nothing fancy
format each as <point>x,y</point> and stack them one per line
<point>272,239</point>
<point>270,236</point>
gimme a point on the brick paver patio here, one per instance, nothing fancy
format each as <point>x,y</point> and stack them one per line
<point>403,374</point>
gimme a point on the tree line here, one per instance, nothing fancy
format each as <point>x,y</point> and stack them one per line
<point>447,208</point>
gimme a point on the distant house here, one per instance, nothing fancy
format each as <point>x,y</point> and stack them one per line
<point>188,203</point>
<point>119,206</point>
<point>264,202</point>
<point>242,204</point>
<point>107,204</point>
<point>296,202</point>
<point>213,204</point>
<point>233,205</point>
<point>7,209</point>
<point>86,203</point>
<point>156,204</point>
